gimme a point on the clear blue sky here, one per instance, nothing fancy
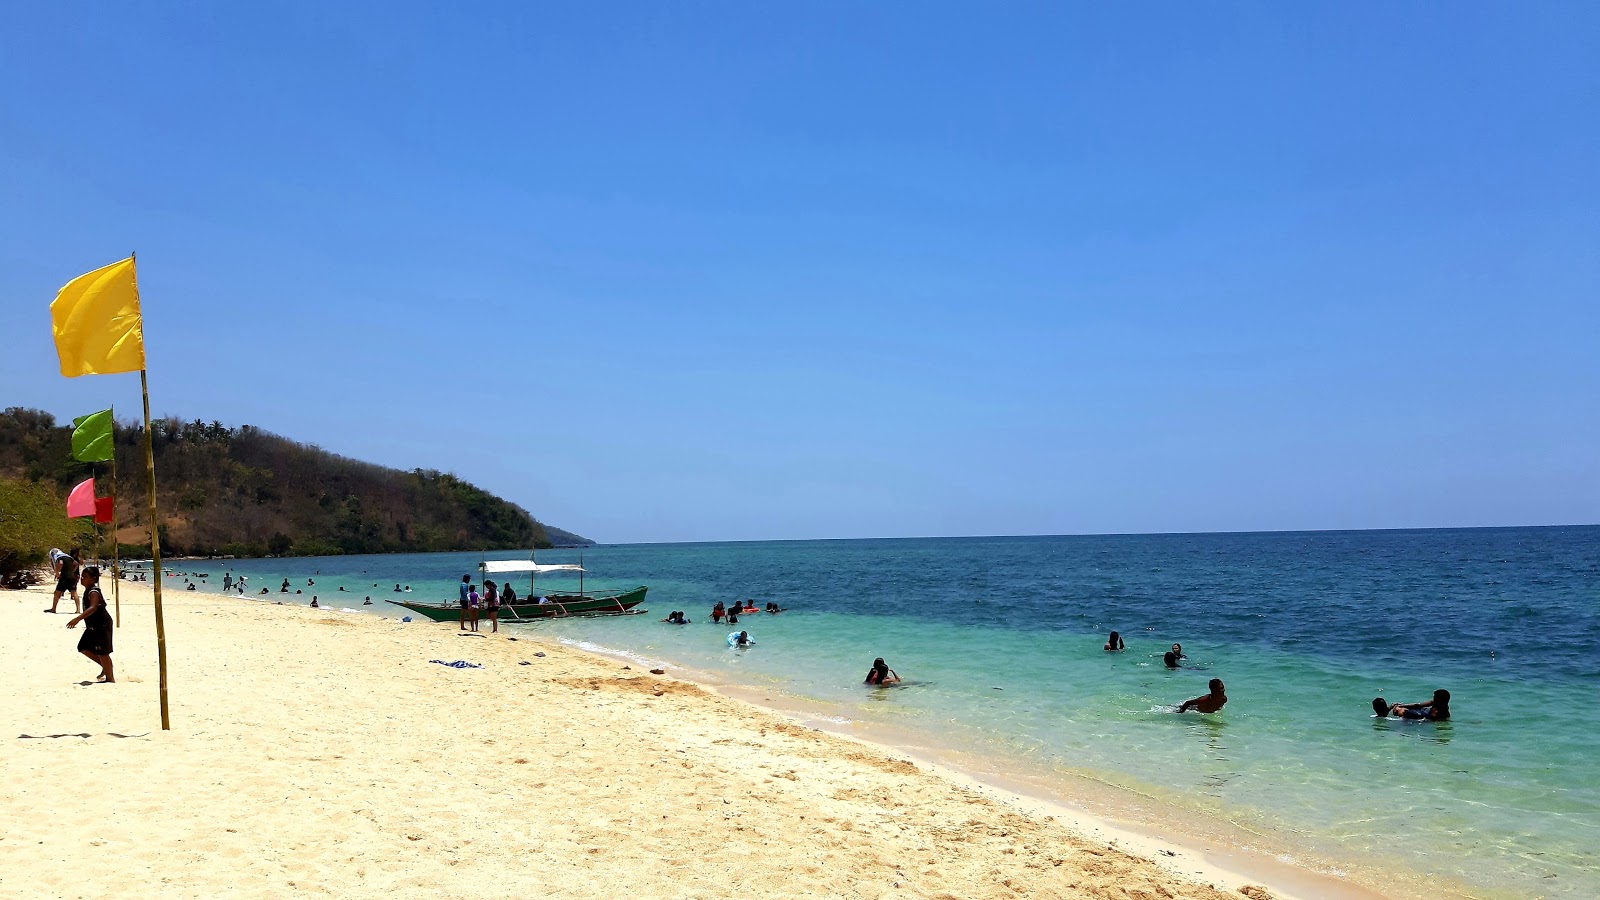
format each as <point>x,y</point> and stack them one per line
<point>683,271</point>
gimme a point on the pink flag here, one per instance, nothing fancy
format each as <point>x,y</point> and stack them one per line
<point>81,501</point>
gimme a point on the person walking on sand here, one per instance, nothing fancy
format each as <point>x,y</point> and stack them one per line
<point>491,604</point>
<point>96,640</point>
<point>466,588</point>
<point>1209,703</point>
<point>67,579</point>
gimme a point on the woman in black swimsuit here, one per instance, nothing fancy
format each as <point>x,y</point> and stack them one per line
<point>96,640</point>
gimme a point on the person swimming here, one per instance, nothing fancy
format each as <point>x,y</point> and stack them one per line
<point>717,612</point>
<point>774,608</point>
<point>742,639</point>
<point>1436,710</point>
<point>1170,659</point>
<point>1208,703</point>
<point>880,674</point>
<point>1114,643</point>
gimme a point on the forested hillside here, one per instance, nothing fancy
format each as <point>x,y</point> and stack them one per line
<point>247,492</point>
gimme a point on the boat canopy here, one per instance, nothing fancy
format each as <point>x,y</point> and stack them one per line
<point>525,565</point>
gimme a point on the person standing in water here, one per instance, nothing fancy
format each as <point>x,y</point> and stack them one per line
<point>1114,643</point>
<point>1208,703</point>
<point>96,640</point>
<point>880,674</point>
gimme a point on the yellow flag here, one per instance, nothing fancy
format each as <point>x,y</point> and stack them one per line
<point>97,324</point>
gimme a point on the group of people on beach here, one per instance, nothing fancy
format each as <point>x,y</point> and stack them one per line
<point>487,602</point>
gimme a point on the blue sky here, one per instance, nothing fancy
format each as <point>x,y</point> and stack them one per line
<point>709,271</point>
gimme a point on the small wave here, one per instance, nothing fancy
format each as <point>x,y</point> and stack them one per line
<point>591,647</point>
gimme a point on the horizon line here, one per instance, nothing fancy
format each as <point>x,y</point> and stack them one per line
<point>959,537</point>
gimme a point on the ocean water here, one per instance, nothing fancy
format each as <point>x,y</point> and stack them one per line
<point>999,640</point>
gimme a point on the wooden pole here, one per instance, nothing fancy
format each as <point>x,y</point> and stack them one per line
<point>116,551</point>
<point>155,550</point>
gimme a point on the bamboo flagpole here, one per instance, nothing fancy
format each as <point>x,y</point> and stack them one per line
<point>155,538</point>
<point>155,549</point>
<point>116,550</point>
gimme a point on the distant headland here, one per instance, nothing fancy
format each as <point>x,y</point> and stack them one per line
<point>226,491</point>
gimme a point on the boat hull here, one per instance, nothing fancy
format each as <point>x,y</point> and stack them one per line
<point>610,603</point>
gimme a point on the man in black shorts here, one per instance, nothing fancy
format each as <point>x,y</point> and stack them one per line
<point>67,580</point>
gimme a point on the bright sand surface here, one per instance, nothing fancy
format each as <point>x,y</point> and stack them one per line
<point>315,752</point>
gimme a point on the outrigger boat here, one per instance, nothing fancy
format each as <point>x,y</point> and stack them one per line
<point>556,606</point>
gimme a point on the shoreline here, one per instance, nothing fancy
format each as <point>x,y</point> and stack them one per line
<point>840,778</point>
<point>1231,853</point>
<point>1221,849</point>
<point>1163,829</point>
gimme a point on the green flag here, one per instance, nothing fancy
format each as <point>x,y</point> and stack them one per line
<point>91,437</point>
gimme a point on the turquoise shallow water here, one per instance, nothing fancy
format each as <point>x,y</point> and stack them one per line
<point>1000,640</point>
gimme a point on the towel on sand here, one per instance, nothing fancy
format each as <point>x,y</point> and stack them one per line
<point>458,664</point>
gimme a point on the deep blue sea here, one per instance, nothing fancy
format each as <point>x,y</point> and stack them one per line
<point>1000,642</point>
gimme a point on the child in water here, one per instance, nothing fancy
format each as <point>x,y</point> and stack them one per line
<point>880,674</point>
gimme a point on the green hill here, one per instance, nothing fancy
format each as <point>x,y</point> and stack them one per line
<point>247,492</point>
